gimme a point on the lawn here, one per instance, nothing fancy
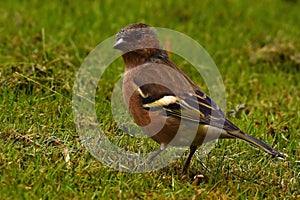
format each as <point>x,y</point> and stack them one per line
<point>255,45</point>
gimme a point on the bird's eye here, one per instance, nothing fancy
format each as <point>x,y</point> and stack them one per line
<point>138,36</point>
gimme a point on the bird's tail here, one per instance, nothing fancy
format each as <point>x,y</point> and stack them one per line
<point>256,142</point>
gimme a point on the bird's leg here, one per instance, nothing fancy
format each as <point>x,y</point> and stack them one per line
<point>161,149</point>
<point>187,162</point>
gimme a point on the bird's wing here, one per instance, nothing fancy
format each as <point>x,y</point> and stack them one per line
<point>196,107</point>
<point>182,99</point>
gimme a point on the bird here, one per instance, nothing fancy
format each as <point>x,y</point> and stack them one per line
<point>167,105</point>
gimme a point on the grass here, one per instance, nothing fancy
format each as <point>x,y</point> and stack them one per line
<point>256,46</point>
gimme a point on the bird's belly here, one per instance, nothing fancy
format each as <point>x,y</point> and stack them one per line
<point>184,133</point>
<point>195,135</point>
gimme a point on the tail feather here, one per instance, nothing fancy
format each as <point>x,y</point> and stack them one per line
<point>256,142</point>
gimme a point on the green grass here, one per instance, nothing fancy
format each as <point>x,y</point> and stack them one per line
<point>256,46</point>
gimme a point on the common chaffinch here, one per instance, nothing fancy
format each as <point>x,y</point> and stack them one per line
<point>165,102</point>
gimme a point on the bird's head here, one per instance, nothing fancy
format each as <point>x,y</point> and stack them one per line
<point>138,38</point>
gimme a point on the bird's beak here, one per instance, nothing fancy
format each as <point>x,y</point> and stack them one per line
<point>120,44</point>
